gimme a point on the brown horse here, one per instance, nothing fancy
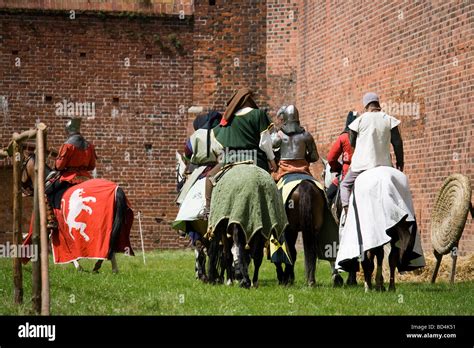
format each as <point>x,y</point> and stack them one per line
<point>305,212</point>
<point>120,210</point>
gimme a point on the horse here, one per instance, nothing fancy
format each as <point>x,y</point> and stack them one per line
<point>305,211</point>
<point>400,232</point>
<point>246,210</point>
<point>387,218</point>
<point>121,215</point>
<point>192,226</point>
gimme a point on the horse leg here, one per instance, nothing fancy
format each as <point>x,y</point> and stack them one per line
<point>257,255</point>
<point>240,257</point>
<point>213,255</point>
<point>291,237</point>
<point>97,266</point>
<point>280,273</point>
<point>352,279</point>
<point>227,259</point>
<point>200,261</point>
<point>393,258</point>
<point>379,277</point>
<point>368,267</point>
<point>78,266</point>
<point>337,280</point>
<point>113,259</point>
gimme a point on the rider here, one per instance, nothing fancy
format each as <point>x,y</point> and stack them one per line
<point>75,159</point>
<point>199,149</point>
<point>372,132</point>
<point>243,133</point>
<point>342,146</point>
<point>297,146</point>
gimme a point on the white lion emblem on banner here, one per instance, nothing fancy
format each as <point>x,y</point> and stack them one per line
<point>76,206</point>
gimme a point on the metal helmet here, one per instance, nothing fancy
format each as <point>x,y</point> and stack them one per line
<point>73,125</point>
<point>291,119</point>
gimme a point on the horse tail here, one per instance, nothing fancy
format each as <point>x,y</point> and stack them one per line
<point>311,210</point>
<point>307,196</point>
<point>120,210</point>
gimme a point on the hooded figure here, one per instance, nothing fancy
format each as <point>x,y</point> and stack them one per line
<point>201,147</point>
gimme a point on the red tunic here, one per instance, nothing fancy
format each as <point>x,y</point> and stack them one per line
<point>342,146</point>
<point>75,163</point>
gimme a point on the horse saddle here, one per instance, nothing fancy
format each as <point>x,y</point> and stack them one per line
<point>52,177</point>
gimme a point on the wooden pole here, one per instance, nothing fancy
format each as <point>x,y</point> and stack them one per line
<point>45,305</point>
<point>454,256</point>
<point>17,236</point>
<point>36,266</point>
<point>438,257</point>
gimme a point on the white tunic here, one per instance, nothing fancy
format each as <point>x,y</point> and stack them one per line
<point>373,140</point>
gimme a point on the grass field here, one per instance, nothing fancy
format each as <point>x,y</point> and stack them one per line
<point>166,286</point>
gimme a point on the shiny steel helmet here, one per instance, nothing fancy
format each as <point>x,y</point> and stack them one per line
<point>73,125</point>
<point>291,119</point>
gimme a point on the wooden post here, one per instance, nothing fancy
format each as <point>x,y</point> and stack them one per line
<point>439,257</point>
<point>17,236</point>
<point>45,305</point>
<point>454,256</point>
<point>36,266</point>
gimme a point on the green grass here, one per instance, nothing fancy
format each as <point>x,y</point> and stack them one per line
<point>166,286</point>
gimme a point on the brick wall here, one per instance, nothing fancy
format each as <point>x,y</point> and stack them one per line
<point>184,7</point>
<point>281,59</point>
<point>137,72</point>
<point>229,51</point>
<point>408,52</point>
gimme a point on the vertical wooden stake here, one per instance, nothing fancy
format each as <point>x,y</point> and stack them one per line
<point>17,236</point>
<point>45,305</point>
<point>36,266</point>
<point>454,257</point>
<point>438,257</point>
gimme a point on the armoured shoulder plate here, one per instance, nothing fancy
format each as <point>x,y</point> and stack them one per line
<point>78,141</point>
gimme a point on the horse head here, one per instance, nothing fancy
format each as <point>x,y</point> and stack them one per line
<point>327,175</point>
<point>28,174</point>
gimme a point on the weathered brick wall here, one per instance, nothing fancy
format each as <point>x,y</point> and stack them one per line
<point>281,59</point>
<point>417,53</point>
<point>229,51</point>
<point>184,7</point>
<point>136,73</point>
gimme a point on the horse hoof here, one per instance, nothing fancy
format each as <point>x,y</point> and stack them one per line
<point>391,288</point>
<point>367,288</point>
<point>351,280</point>
<point>337,281</point>
<point>95,271</point>
<point>380,288</point>
<point>311,283</point>
<point>115,271</point>
<point>255,285</point>
<point>245,284</point>
<point>229,282</point>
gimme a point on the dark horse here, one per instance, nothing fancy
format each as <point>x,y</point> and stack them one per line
<point>305,212</point>
<point>120,210</point>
